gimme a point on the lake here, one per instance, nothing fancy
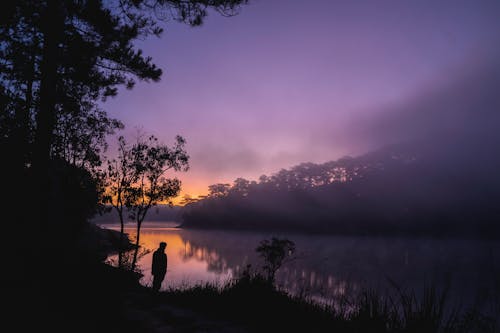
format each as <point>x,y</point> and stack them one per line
<point>327,267</point>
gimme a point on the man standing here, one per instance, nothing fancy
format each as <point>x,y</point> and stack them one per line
<point>159,267</point>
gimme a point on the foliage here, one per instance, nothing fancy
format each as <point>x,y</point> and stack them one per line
<point>119,175</point>
<point>151,160</point>
<point>126,261</point>
<point>94,52</point>
<point>219,190</point>
<point>74,197</point>
<point>80,136</point>
<point>275,253</point>
<point>135,180</point>
<point>400,189</point>
<point>59,60</point>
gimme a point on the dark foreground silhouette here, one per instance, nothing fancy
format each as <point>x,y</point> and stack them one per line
<point>78,293</point>
<point>159,266</point>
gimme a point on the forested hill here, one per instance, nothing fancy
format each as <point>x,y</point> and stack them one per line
<point>407,188</point>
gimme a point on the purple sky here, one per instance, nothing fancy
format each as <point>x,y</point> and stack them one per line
<point>286,82</point>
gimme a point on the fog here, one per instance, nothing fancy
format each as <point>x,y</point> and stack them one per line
<point>432,169</point>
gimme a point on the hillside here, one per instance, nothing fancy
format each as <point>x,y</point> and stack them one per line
<point>417,188</point>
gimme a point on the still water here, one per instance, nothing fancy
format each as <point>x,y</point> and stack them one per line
<point>328,267</point>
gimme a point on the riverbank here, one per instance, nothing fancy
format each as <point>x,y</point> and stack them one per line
<point>250,304</point>
<point>247,303</point>
<point>113,301</point>
<point>79,293</point>
<point>253,305</point>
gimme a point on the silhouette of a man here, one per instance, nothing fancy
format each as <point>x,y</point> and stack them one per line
<point>159,266</point>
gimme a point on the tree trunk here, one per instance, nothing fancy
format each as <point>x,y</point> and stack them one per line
<point>21,134</point>
<point>52,26</point>
<point>136,251</point>
<point>122,238</point>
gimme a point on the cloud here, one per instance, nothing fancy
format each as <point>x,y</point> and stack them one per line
<point>464,105</point>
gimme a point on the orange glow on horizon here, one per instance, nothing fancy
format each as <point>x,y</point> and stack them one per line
<point>195,188</point>
<point>192,188</point>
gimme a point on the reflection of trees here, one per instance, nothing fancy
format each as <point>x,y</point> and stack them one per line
<point>329,267</point>
<point>232,252</point>
<point>215,263</point>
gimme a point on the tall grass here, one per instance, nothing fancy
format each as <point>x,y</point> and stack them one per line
<point>250,300</point>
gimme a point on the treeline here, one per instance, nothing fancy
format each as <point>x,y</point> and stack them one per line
<point>401,189</point>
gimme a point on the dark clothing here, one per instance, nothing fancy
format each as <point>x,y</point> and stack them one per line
<point>159,262</point>
<point>158,268</point>
<point>157,280</point>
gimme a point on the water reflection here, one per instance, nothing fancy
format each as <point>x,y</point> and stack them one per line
<point>185,268</point>
<point>327,267</point>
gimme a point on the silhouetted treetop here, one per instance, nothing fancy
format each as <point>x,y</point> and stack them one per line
<point>59,58</point>
<point>59,55</point>
<point>409,188</point>
<point>192,12</point>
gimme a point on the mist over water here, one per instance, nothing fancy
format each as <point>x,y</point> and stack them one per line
<point>328,268</point>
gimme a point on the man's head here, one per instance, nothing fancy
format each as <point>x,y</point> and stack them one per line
<point>163,245</point>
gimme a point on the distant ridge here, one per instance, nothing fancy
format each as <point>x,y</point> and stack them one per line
<point>438,188</point>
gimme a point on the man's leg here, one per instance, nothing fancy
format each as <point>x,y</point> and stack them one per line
<point>156,282</point>
<point>158,279</point>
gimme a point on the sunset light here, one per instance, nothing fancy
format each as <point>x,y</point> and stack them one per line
<point>251,166</point>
